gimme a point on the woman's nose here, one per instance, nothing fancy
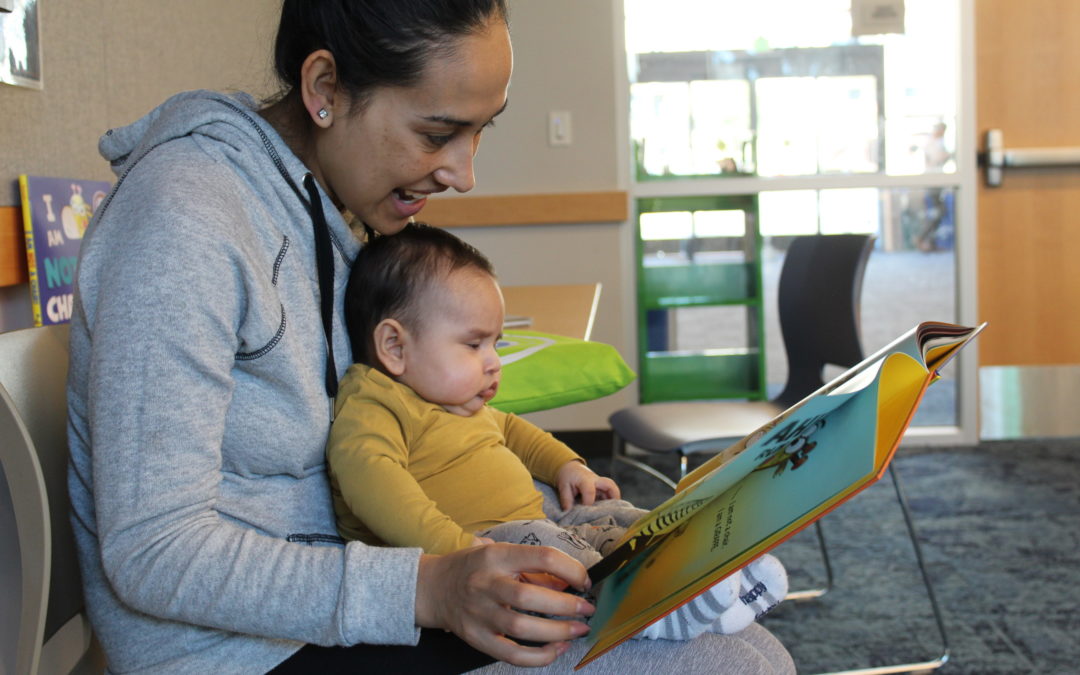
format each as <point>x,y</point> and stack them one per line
<point>457,171</point>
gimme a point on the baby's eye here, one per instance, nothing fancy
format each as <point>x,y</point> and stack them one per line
<point>474,345</point>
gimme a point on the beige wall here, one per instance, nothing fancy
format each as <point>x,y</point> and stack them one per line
<point>106,62</point>
<point>565,58</point>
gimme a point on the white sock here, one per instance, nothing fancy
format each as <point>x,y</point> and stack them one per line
<point>696,616</point>
<point>734,620</point>
<point>762,585</point>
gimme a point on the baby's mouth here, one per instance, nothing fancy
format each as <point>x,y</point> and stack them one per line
<point>490,392</point>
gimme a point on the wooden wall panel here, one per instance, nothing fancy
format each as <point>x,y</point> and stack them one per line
<point>1028,85</point>
<point>528,209</point>
<point>12,247</point>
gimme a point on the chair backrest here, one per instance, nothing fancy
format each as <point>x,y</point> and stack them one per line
<point>818,300</point>
<point>33,450</point>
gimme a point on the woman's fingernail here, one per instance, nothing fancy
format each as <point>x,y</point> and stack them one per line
<point>579,629</point>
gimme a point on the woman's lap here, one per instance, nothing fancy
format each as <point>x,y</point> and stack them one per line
<point>437,653</point>
<point>754,651</point>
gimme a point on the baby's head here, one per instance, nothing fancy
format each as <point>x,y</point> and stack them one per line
<point>423,307</point>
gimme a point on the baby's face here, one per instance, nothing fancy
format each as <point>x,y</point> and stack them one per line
<point>451,359</point>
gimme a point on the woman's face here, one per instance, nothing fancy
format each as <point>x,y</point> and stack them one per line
<point>410,142</point>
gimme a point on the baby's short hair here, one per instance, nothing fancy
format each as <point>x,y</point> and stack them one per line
<point>391,274</point>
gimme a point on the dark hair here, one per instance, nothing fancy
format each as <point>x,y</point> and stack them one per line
<point>375,42</point>
<point>392,272</point>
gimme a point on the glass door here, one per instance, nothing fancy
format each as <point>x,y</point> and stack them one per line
<point>778,103</point>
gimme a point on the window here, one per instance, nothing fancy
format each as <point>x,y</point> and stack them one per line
<point>776,102</point>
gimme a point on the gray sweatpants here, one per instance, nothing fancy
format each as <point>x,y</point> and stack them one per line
<point>586,533</point>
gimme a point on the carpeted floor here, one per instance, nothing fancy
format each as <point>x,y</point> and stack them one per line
<point>1000,528</point>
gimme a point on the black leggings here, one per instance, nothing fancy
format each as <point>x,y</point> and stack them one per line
<point>438,652</point>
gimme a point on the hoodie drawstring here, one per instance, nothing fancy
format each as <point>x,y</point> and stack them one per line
<point>324,262</point>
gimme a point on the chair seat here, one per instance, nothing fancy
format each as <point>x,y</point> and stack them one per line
<point>687,427</point>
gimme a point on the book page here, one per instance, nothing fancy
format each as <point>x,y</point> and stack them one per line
<point>770,439</point>
<point>796,475</point>
<point>787,474</point>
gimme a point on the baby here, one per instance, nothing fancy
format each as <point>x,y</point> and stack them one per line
<point>417,458</point>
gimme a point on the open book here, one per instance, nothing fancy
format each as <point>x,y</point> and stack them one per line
<point>768,486</point>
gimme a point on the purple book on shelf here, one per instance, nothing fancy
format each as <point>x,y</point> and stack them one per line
<point>55,212</point>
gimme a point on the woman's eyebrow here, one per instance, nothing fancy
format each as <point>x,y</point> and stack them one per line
<point>455,122</point>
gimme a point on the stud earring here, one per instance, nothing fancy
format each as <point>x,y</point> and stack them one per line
<point>323,113</point>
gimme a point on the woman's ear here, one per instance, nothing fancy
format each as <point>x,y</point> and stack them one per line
<point>318,86</point>
<point>390,338</point>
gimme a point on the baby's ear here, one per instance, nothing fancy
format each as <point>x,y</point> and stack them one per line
<point>390,337</point>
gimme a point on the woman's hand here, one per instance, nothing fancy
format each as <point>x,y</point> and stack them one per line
<point>575,479</point>
<point>480,594</point>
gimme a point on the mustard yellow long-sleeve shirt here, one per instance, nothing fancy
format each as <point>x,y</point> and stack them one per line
<point>405,472</point>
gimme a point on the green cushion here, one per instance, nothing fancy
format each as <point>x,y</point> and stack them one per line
<point>542,371</point>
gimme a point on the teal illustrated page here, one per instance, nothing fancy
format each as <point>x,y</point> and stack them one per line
<point>778,436</point>
<point>800,467</point>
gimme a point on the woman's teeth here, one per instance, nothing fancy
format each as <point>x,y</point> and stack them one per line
<point>409,197</point>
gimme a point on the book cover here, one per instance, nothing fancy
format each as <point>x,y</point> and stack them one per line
<point>55,212</point>
<point>768,486</point>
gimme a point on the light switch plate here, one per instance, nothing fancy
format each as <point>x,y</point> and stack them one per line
<point>559,131</point>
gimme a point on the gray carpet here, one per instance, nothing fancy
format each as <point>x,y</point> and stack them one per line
<point>1000,528</point>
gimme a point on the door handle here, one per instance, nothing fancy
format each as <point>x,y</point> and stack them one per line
<point>995,158</point>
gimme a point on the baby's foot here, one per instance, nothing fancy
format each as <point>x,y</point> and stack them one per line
<point>727,607</point>
<point>696,616</point>
<point>762,585</point>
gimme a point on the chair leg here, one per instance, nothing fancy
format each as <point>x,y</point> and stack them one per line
<point>811,593</point>
<point>919,666</point>
<point>618,454</point>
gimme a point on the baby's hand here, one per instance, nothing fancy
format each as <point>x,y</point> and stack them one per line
<point>481,541</point>
<point>574,479</point>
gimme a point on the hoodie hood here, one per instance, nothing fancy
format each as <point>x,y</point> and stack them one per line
<point>178,116</point>
<point>231,125</point>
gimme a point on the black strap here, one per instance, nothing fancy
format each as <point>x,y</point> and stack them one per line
<point>324,262</point>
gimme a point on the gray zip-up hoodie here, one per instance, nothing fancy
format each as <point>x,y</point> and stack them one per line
<point>198,410</point>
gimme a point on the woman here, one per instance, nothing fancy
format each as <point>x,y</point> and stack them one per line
<point>206,346</point>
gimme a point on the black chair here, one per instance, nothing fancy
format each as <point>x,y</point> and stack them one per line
<point>818,302</point>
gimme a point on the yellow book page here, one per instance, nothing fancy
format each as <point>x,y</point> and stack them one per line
<point>900,388</point>
<point>938,355</point>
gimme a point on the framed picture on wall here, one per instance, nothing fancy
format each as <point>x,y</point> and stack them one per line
<point>20,43</point>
